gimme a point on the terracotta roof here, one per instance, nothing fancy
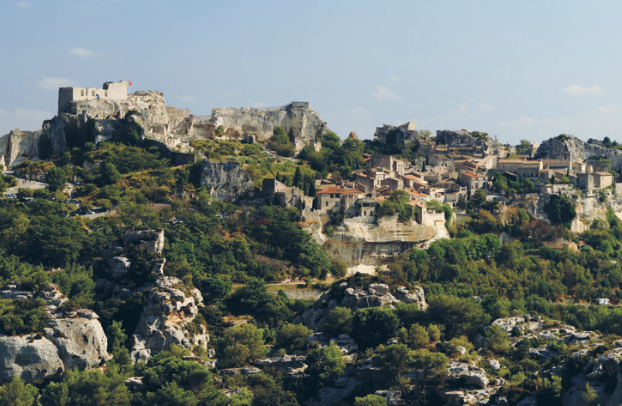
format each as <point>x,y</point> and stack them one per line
<point>329,190</point>
<point>353,136</point>
<point>473,175</point>
<point>338,190</point>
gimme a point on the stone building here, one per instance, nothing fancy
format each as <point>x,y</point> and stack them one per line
<point>109,91</point>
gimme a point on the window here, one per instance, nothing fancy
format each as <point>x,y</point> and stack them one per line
<point>82,93</point>
<point>326,203</point>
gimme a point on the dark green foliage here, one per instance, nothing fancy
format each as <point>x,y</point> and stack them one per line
<point>397,204</point>
<point>16,393</point>
<point>338,321</point>
<point>87,388</point>
<point>374,326</point>
<point>22,316</point>
<point>560,210</point>
<point>459,316</point>
<point>240,346</point>
<point>56,179</point>
<point>325,365</point>
<point>292,337</point>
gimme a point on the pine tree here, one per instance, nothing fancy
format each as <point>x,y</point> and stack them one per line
<point>311,191</point>
<point>297,177</point>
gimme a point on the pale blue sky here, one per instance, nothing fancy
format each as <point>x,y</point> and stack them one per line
<point>517,69</point>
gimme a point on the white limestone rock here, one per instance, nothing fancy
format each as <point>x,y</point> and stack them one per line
<point>170,307</point>
<point>227,181</point>
<point>33,359</point>
<point>81,341</point>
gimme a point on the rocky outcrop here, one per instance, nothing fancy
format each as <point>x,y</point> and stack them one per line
<point>151,240</point>
<point>71,340</point>
<point>354,298</point>
<point>362,243</point>
<point>227,181</point>
<point>81,341</point>
<point>569,147</point>
<point>405,133</point>
<point>301,123</point>
<point>169,309</point>
<point>18,146</point>
<point>456,139</point>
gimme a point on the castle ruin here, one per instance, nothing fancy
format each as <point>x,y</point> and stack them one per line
<point>109,91</point>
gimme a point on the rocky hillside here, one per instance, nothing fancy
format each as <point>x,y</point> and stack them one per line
<point>570,147</point>
<point>101,120</point>
<point>73,339</point>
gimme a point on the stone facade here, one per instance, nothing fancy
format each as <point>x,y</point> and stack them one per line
<point>109,91</point>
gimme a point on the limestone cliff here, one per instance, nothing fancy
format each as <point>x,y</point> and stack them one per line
<point>299,121</point>
<point>569,147</point>
<point>165,320</point>
<point>17,146</point>
<point>227,181</point>
<point>361,243</point>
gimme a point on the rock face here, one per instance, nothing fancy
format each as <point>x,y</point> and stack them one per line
<point>455,139</point>
<point>72,340</point>
<point>354,298</point>
<point>299,121</point>
<point>571,148</point>
<point>226,180</point>
<point>170,307</point>
<point>81,342</point>
<point>18,146</point>
<point>405,133</point>
<point>357,243</point>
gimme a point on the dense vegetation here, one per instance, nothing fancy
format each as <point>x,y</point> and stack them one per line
<point>229,253</point>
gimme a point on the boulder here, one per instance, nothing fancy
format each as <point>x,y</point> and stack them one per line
<point>31,358</point>
<point>81,341</point>
<point>168,310</point>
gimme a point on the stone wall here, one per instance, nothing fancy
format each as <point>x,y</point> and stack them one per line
<point>109,91</point>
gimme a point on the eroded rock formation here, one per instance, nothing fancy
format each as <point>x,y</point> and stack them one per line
<point>227,181</point>
<point>169,309</point>
<point>301,123</point>
<point>72,340</point>
<point>354,298</point>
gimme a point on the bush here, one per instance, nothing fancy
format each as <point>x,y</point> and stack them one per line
<point>240,345</point>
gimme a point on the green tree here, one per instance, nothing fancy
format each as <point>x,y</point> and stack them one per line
<point>16,393</point>
<point>240,345</point>
<point>88,388</point>
<point>479,196</point>
<point>325,364</point>
<point>331,140</point>
<point>416,336</point>
<point>297,177</point>
<point>56,179</point>
<point>338,321</point>
<point>426,366</point>
<point>590,395</point>
<point>292,337</point>
<point>109,174</point>
<point>458,315</point>
<point>395,359</point>
<point>371,400</point>
<point>497,340</point>
<point>434,332</point>
<point>373,326</point>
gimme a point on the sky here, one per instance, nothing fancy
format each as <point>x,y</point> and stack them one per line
<point>515,69</point>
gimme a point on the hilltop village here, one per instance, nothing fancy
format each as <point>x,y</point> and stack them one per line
<point>253,257</point>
